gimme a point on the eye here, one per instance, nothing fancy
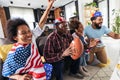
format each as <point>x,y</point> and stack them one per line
<point>24,33</point>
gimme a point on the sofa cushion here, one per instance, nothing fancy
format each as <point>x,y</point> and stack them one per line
<point>4,49</point>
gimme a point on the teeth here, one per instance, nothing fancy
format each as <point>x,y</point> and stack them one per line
<point>29,38</point>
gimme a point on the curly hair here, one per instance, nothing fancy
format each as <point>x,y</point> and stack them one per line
<point>12,28</point>
<point>74,24</point>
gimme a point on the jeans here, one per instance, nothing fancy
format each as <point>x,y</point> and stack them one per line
<point>72,64</point>
<point>57,70</point>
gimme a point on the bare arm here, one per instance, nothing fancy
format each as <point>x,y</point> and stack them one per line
<point>114,35</point>
<point>44,16</point>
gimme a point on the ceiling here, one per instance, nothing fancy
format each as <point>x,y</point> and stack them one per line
<point>33,3</point>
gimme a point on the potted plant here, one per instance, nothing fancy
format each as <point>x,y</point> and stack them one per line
<point>93,4</point>
<point>116,21</point>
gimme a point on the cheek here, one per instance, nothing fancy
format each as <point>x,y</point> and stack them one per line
<point>98,22</point>
<point>80,30</point>
<point>31,34</point>
<point>21,38</point>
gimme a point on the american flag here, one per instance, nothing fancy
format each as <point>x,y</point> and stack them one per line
<point>24,62</point>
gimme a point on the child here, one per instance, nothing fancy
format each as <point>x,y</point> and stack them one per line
<point>78,28</point>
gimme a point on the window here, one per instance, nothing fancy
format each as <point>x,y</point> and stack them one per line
<point>25,13</point>
<point>70,10</point>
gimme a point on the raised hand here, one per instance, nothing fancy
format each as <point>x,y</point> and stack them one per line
<point>51,1</point>
<point>93,42</point>
<point>44,16</point>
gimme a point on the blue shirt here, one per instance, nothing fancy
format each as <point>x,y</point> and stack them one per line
<point>90,32</point>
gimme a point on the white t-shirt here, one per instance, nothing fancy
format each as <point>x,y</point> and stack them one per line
<point>37,31</point>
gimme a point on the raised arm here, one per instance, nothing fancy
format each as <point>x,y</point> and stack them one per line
<point>44,16</point>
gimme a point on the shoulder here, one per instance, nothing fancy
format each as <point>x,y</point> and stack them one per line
<point>52,35</point>
<point>74,35</point>
<point>37,31</point>
<point>87,27</point>
<point>106,29</point>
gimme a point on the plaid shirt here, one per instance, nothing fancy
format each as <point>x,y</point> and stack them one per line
<point>55,46</point>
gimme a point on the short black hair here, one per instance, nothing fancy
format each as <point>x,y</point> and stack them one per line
<point>93,18</point>
<point>12,27</point>
<point>74,24</point>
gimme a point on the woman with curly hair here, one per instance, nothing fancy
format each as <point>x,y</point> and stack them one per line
<point>24,61</point>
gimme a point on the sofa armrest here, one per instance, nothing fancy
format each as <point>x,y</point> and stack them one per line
<point>1,64</point>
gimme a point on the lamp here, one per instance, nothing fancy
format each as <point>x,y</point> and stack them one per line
<point>11,2</point>
<point>28,4</point>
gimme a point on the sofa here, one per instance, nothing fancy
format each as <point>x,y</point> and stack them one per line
<point>3,41</point>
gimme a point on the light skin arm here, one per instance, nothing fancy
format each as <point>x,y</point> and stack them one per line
<point>114,35</point>
<point>44,16</point>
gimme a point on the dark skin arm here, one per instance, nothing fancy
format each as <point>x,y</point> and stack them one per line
<point>114,35</point>
<point>44,16</point>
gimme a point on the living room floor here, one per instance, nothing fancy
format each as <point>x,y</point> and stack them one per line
<point>97,73</point>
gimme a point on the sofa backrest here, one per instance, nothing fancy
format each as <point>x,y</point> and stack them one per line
<point>4,41</point>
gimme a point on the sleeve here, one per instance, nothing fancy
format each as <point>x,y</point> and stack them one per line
<point>74,35</point>
<point>37,31</point>
<point>85,31</point>
<point>106,30</point>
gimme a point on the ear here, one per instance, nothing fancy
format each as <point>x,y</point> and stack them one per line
<point>93,20</point>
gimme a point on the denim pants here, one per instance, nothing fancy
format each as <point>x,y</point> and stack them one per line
<point>72,65</point>
<point>57,70</point>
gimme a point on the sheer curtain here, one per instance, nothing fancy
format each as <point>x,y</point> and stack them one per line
<point>25,13</point>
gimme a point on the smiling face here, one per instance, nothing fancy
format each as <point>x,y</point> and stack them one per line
<point>24,35</point>
<point>62,28</point>
<point>98,22</point>
<point>79,30</point>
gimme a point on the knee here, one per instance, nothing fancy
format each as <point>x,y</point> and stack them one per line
<point>104,62</point>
